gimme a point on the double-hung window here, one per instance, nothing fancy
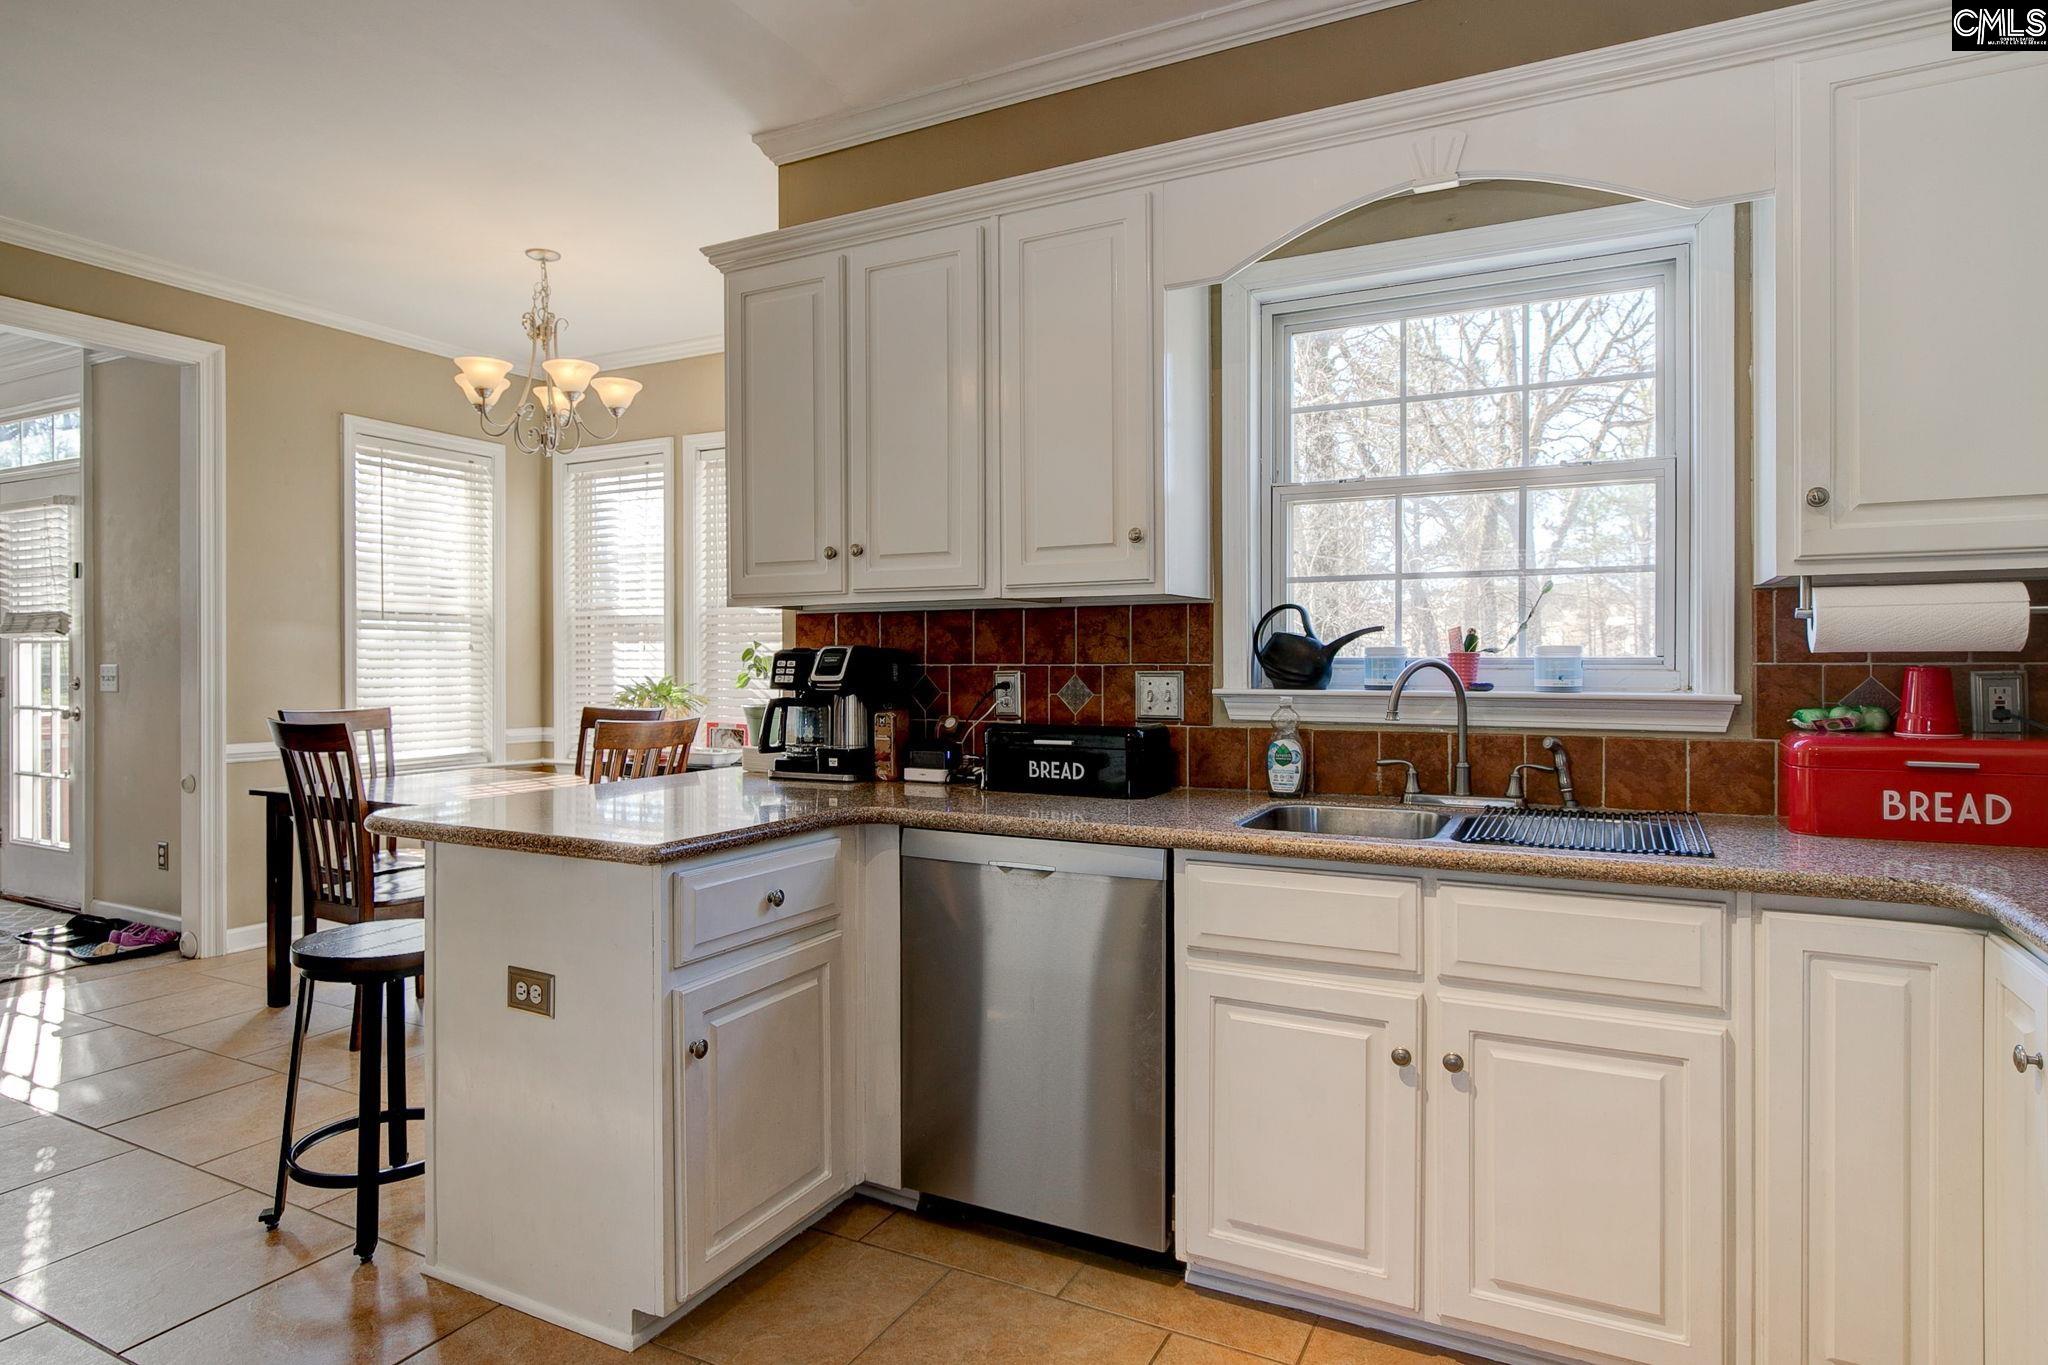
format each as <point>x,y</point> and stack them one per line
<point>1454,447</point>
<point>425,597</point>
<point>614,574</point>
<point>717,633</point>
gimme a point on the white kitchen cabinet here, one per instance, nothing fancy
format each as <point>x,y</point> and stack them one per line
<point>762,1122</point>
<point>1911,412</point>
<point>1300,1129</point>
<point>916,495</point>
<point>1580,1177</point>
<point>1870,1142</point>
<point>786,430</point>
<point>2015,1155</point>
<point>1074,303</point>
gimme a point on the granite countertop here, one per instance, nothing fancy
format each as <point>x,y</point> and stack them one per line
<point>664,819</point>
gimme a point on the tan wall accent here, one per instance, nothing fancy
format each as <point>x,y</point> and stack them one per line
<point>135,425</point>
<point>1409,46</point>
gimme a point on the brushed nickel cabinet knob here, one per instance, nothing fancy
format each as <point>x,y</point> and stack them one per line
<point>2022,1059</point>
<point>1817,496</point>
<point>831,552</point>
<point>1137,535</point>
<point>699,1048</point>
<point>1402,1056</point>
<point>775,898</point>
<point>1453,1063</point>
<point>856,550</point>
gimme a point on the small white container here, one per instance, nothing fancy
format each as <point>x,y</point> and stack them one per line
<point>1559,668</point>
<point>1383,664</point>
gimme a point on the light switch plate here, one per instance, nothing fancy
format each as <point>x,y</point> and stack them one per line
<point>529,990</point>
<point>110,677</point>
<point>1161,694</point>
<point>1991,689</point>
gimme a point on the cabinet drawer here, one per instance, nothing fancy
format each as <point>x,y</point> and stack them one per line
<point>1629,947</point>
<point>744,899</point>
<point>1275,911</point>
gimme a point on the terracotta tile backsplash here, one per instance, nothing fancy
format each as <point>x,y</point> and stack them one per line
<point>1105,645</point>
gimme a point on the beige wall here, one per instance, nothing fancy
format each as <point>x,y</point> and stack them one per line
<point>1404,48</point>
<point>135,426</point>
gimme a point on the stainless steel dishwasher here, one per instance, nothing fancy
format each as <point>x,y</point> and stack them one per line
<point>1035,1030</point>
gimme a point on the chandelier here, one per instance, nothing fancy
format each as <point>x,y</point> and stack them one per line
<point>546,420</point>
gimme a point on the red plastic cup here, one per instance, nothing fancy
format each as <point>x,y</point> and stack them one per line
<point>1927,708</point>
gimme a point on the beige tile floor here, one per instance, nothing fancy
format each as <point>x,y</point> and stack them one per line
<point>139,1105</point>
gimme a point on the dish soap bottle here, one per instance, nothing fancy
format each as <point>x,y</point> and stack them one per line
<point>1284,765</point>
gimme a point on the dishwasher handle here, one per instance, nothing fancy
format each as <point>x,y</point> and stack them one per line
<point>1035,869</point>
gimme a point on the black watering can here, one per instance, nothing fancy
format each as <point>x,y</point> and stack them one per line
<point>1298,662</point>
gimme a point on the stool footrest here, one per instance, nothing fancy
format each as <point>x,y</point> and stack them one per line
<point>347,1180</point>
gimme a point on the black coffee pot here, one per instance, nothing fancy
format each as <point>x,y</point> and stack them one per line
<point>1298,662</point>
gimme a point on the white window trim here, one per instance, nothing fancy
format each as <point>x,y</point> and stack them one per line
<point>355,429</point>
<point>662,451</point>
<point>1710,701</point>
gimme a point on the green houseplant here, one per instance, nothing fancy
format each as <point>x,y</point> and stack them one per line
<point>675,699</point>
<point>754,662</point>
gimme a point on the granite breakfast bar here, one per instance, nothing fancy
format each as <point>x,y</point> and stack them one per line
<point>705,1058</point>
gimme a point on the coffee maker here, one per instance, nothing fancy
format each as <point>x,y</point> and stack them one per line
<point>821,730</point>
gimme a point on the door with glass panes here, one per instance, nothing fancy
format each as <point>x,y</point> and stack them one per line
<point>40,706</point>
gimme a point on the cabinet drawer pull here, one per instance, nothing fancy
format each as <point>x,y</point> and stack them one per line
<point>1453,1063</point>
<point>699,1048</point>
<point>2022,1059</point>
<point>1402,1056</point>
<point>1959,765</point>
<point>775,898</point>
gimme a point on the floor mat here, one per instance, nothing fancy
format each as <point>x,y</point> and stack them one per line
<point>18,959</point>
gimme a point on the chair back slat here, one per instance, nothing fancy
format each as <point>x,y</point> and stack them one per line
<point>593,714</point>
<point>325,780</point>
<point>369,727</point>
<point>626,749</point>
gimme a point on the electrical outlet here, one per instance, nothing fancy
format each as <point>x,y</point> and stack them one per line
<point>1160,694</point>
<point>110,677</point>
<point>529,990</point>
<point>1991,689</point>
<point>1009,703</point>
<point>163,857</point>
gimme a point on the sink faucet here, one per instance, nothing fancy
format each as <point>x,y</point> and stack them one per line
<point>1461,772</point>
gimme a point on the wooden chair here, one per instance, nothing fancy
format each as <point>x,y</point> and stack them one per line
<point>625,749</point>
<point>370,728</point>
<point>340,877</point>
<point>593,714</point>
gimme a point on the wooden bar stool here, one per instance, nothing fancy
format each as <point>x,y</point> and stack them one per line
<point>376,957</point>
<point>627,749</point>
<point>587,726</point>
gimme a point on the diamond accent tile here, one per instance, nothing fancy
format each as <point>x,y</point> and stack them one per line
<point>1075,693</point>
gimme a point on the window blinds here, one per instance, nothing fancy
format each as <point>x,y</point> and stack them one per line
<point>722,631</point>
<point>615,576</point>
<point>35,567</point>
<point>425,635</point>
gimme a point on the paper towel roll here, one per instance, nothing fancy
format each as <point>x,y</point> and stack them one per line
<point>1939,618</point>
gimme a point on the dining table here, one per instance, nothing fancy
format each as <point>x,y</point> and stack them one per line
<point>419,787</point>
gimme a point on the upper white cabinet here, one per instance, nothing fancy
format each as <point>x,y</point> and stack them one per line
<point>2015,1154</point>
<point>1911,410</point>
<point>1870,1142</point>
<point>914,440</point>
<point>786,367</point>
<point>1074,286</point>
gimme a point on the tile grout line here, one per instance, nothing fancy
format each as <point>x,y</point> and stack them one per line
<point>256,1289</point>
<point>870,1344</point>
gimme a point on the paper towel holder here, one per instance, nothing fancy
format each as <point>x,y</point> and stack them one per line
<point>1804,611</point>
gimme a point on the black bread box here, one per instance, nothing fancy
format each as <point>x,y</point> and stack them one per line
<point>1080,760</point>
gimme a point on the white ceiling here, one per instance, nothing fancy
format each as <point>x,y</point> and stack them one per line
<point>377,163</point>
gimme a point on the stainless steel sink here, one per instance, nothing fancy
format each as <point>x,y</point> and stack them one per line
<point>1356,822</point>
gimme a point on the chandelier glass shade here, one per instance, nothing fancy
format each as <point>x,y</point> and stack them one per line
<point>548,418</point>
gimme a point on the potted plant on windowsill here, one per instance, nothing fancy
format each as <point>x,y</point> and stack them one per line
<point>1463,655</point>
<point>675,699</point>
<point>754,661</point>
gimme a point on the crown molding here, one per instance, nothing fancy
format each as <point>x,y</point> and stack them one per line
<point>635,356</point>
<point>1176,40</point>
<point>1735,42</point>
<point>88,252</point>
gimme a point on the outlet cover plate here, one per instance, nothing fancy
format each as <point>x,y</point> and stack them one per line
<point>1989,689</point>
<point>529,990</point>
<point>1161,694</point>
<point>1010,704</point>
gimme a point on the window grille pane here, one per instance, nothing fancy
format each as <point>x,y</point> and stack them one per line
<point>1593,334</point>
<point>1343,606</point>
<point>66,443</point>
<point>1461,532</point>
<point>615,577</point>
<point>1451,435</point>
<point>1346,443</point>
<point>1585,422</point>
<point>10,445</point>
<point>1611,525</point>
<point>723,632</point>
<point>1614,615</point>
<point>1431,608</point>
<point>1450,352</point>
<point>1337,539</point>
<point>1345,364</point>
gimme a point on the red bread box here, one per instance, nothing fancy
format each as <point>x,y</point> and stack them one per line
<point>1952,791</point>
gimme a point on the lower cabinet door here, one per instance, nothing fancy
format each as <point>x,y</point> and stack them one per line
<point>1869,1142</point>
<point>1299,1128</point>
<point>2015,1155</point>
<point>762,1134</point>
<point>1580,1179</point>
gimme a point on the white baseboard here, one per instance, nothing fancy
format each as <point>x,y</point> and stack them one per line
<point>242,937</point>
<point>116,910</point>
